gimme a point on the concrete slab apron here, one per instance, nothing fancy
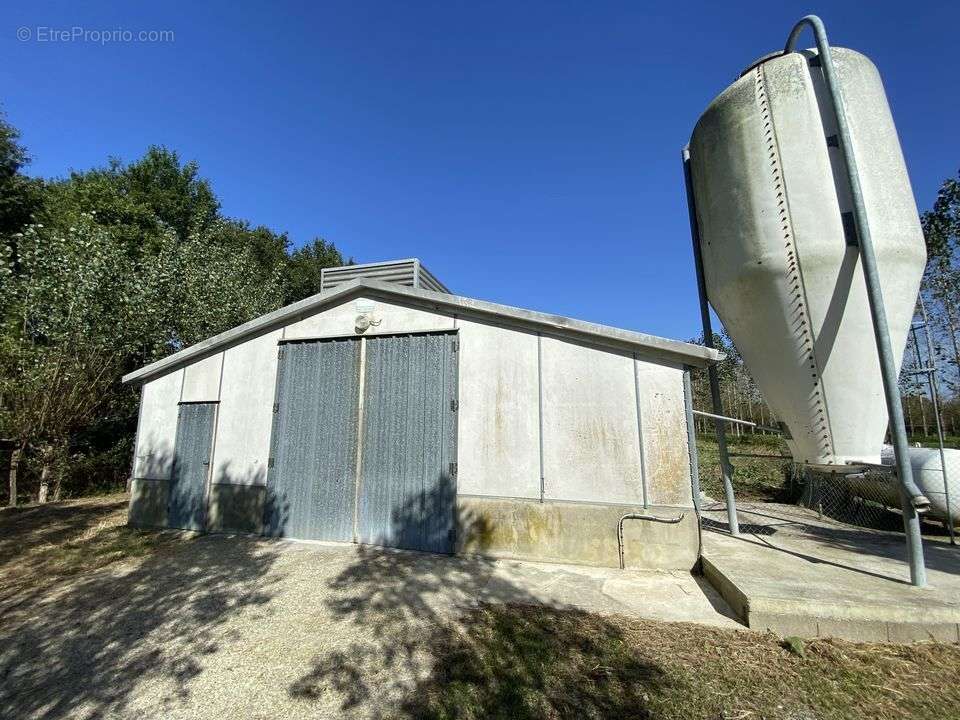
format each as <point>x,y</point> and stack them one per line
<point>802,576</point>
<point>671,596</point>
<point>674,596</point>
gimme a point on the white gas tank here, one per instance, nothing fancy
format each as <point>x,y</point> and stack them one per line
<point>781,265</point>
<point>929,477</point>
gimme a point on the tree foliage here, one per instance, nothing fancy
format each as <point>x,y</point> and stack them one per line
<point>107,270</point>
<point>306,264</point>
<point>941,291</point>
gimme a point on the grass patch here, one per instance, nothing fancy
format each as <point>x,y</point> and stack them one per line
<point>523,662</point>
<point>41,545</point>
<point>931,441</point>
<point>761,479</point>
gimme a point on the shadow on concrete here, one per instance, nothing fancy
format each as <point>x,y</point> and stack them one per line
<point>746,528</point>
<point>83,646</point>
<point>451,637</point>
<point>829,543</point>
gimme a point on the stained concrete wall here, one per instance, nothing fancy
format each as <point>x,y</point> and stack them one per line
<point>591,443</point>
<point>579,533</point>
<point>245,418</point>
<point>665,448</point>
<point>498,449</point>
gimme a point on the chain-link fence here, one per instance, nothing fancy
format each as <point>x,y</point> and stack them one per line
<point>867,500</point>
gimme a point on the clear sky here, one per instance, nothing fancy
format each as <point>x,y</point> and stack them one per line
<point>527,152</point>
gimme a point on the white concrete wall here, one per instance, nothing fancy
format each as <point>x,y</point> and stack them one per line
<point>590,439</point>
<point>341,320</point>
<point>498,452</point>
<point>591,447</point>
<point>665,451</point>
<point>158,427</point>
<point>245,417</point>
<point>201,380</point>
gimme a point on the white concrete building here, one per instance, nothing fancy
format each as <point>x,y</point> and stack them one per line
<point>382,412</point>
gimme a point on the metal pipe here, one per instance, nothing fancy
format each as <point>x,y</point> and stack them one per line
<point>912,499</point>
<point>540,410</point>
<point>726,469</point>
<point>640,516</point>
<point>935,399</point>
<point>758,455</point>
<point>737,421</point>
<point>691,440</point>
<point>643,460</point>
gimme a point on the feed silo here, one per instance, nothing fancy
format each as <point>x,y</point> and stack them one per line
<point>808,245</point>
<point>780,252</point>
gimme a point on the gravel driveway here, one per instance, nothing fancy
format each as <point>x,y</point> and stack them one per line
<point>239,627</point>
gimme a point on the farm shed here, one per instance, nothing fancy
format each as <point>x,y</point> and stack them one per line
<point>387,411</point>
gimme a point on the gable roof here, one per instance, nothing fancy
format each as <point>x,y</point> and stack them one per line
<point>649,346</point>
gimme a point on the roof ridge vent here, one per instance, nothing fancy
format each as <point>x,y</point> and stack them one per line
<point>409,272</point>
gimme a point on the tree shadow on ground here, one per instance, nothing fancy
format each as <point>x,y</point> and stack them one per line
<point>440,636</point>
<point>83,645</point>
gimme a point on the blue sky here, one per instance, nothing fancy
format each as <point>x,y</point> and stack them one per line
<point>527,152</point>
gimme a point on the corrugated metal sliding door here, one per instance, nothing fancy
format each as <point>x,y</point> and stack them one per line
<point>408,448</point>
<point>191,466</point>
<point>312,476</point>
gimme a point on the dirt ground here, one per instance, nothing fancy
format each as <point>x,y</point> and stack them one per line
<point>101,621</point>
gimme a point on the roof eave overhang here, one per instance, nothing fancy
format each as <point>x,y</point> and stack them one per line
<point>646,346</point>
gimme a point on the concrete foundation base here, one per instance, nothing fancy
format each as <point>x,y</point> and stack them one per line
<point>795,574</point>
<point>553,532</point>
<point>148,503</point>
<point>236,509</point>
<point>576,533</point>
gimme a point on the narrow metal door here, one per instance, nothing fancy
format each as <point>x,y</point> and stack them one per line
<point>312,475</point>
<point>191,466</point>
<point>408,449</point>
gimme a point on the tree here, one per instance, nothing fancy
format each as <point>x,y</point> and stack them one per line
<point>82,312</point>
<point>941,224</point>
<point>21,197</point>
<point>139,201</point>
<point>305,266</point>
<point>941,287</point>
<point>69,312</point>
<point>267,248</point>
<point>107,270</point>
<point>206,286</point>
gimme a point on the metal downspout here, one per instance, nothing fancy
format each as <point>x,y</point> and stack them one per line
<point>691,440</point>
<point>694,457</point>
<point>543,482</point>
<point>912,499</point>
<point>643,460</point>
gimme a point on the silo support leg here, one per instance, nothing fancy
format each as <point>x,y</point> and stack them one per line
<point>725,468</point>
<point>912,498</point>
